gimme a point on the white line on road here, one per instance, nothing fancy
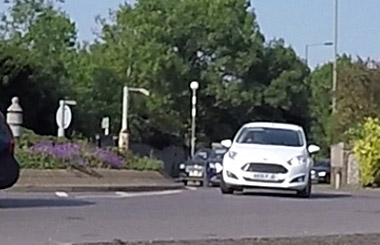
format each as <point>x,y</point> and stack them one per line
<point>190,188</point>
<point>61,194</point>
<point>132,194</point>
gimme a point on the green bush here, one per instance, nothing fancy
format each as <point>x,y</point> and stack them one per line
<point>136,162</point>
<point>366,147</point>
<point>37,161</point>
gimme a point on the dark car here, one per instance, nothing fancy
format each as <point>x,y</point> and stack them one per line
<point>321,171</point>
<point>204,160</point>
<point>9,167</point>
<point>215,166</point>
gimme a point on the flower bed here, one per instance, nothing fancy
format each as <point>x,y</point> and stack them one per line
<point>49,153</point>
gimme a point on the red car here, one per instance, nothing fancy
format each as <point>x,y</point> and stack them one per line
<point>9,167</point>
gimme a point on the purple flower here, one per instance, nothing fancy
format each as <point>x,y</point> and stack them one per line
<point>68,152</point>
<point>109,158</point>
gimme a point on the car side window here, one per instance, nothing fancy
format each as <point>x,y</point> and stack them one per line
<point>5,136</point>
<point>3,128</point>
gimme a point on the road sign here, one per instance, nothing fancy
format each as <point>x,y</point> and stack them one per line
<point>67,117</point>
<point>105,122</point>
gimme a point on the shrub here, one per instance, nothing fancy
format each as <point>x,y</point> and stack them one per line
<point>367,150</point>
<point>46,152</point>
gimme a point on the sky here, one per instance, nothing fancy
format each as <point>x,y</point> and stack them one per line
<point>298,22</point>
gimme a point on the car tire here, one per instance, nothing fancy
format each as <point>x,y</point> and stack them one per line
<point>225,189</point>
<point>185,183</point>
<point>306,192</point>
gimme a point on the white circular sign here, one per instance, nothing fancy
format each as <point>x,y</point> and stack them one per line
<point>67,117</point>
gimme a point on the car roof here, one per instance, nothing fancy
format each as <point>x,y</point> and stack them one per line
<point>272,125</point>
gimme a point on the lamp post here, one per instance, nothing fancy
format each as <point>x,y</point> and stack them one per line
<point>194,87</point>
<point>335,72</point>
<point>314,45</point>
<point>124,136</point>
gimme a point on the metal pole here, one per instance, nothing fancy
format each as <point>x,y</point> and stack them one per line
<point>335,73</point>
<point>124,125</point>
<point>61,128</point>
<point>307,55</point>
<point>193,115</point>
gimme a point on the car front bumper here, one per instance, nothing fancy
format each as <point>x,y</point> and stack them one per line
<point>295,179</point>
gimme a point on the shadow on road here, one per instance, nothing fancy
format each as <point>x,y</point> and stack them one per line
<point>12,203</point>
<point>316,195</point>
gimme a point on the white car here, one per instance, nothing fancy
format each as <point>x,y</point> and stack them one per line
<point>268,155</point>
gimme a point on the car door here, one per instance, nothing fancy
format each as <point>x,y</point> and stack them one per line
<point>9,167</point>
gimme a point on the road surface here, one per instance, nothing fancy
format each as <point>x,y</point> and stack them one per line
<point>65,218</point>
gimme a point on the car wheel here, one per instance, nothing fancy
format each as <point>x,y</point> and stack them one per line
<point>225,188</point>
<point>305,193</point>
<point>185,182</point>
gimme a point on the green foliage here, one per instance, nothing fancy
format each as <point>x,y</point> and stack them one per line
<point>325,128</point>
<point>143,163</point>
<point>27,160</point>
<point>367,150</point>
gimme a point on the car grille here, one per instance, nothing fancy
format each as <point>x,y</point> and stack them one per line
<point>265,168</point>
<point>194,168</point>
<point>263,181</point>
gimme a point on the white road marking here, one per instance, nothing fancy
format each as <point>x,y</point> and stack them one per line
<point>190,188</point>
<point>119,195</point>
<point>61,194</point>
<point>155,193</point>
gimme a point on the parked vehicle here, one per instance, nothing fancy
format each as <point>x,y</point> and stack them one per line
<point>268,155</point>
<point>9,167</point>
<point>215,164</point>
<point>204,161</point>
<point>321,171</point>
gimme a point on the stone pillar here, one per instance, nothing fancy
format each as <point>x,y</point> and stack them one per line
<point>337,165</point>
<point>15,117</point>
<point>353,174</point>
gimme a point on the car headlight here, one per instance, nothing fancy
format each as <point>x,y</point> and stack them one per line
<point>322,174</point>
<point>296,161</point>
<point>232,154</point>
<point>182,166</point>
<point>218,167</point>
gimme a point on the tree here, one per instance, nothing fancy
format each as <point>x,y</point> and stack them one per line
<point>164,45</point>
<point>38,43</point>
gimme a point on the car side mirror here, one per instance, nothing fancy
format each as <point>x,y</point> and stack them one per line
<point>313,149</point>
<point>226,143</point>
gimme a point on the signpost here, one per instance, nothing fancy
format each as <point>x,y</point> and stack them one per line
<point>106,125</point>
<point>64,116</point>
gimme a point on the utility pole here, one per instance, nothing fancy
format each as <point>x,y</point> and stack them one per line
<point>335,72</point>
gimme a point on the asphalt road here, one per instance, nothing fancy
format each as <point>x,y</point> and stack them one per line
<point>192,214</point>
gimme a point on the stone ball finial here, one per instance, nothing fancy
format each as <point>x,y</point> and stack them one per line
<point>15,100</point>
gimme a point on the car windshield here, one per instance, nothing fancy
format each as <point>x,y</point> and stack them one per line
<point>270,136</point>
<point>218,154</point>
<point>201,155</point>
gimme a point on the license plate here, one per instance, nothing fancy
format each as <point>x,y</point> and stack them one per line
<point>264,176</point>
<point>195,174</point>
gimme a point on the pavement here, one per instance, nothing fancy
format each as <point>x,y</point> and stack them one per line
<point>193,216</point>
<point>95,180</point>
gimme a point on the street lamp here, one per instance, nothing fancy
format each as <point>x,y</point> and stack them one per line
<point>123,136</point>
<point>314,45</point>
<point>193,86</point>
<point>335,72</point>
